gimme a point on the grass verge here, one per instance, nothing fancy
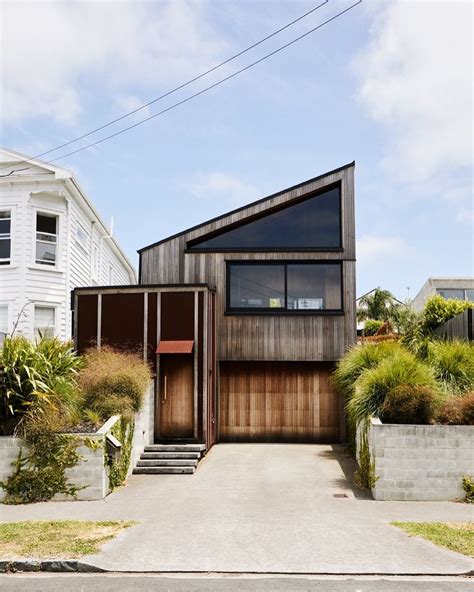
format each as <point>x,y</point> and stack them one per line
<point>455,536</point>
<point>65,539</point>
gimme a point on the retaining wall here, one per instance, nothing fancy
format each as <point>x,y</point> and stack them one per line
<point>91,472</point>
<point>419,462</point>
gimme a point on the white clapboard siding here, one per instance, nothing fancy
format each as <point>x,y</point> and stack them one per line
<point>24,283</point>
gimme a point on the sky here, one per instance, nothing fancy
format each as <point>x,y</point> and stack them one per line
<point>388,84</point>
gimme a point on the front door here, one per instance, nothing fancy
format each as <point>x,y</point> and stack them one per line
<point>176,402</point>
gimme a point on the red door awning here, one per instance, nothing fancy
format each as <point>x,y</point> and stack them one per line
<point>175,347</point>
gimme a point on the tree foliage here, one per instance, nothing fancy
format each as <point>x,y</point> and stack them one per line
<point>377,305</point>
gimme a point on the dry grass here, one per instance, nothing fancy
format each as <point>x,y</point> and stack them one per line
<point>66,539</point>
<point>113,382</point>
<point>454,536</point>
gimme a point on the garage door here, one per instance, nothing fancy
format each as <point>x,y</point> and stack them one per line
<point>277,402</point>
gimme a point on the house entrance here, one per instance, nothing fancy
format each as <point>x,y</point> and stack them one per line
<point>176,400</point>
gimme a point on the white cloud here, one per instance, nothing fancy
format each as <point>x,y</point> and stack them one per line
<point>225,187</point>
<point>127,103</point>
<point>416,77</point>
<point>53,53</point>
<point>371,247</point>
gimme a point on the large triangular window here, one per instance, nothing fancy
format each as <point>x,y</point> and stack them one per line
<point>312,223</point>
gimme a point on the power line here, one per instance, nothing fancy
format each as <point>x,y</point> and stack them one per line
<point>208,88</point>
<point>185,84</point>
<point>175,105</point>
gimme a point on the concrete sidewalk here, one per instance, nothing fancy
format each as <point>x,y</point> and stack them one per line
<point>261,508</point>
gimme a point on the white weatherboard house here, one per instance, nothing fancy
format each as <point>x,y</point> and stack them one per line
<point>51,241</point>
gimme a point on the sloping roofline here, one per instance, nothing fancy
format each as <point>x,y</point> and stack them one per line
<point>67,175</point>
<point>249,205</point>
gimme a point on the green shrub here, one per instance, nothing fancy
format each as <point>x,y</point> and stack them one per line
<point>438,310</point>
<point>358,359</point>
<point>453,365</point>
<point>409,404</point>
<point>468,486</point>
<point>372,326</point>
<point>39,382</point>
<point>113,382</point>
<point>373,384</point>
<point>457,410</point>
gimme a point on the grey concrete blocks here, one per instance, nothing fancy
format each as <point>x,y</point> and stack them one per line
<point>420,462</point>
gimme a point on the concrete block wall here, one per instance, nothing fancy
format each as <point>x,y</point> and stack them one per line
<point>9,450</point>
<point>420,462</point>
<point>91,472</point>
<point>144,427</point>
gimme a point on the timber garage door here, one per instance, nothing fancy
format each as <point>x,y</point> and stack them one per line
<point>277,402</point>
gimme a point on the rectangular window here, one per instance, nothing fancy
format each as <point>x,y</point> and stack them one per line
<point>46,239</point>
<point>451,293</point>
<point>290,287</point>
<point>257,286</point>
<point>95,261</point>
<point>470,295</point>
<point>5,237</point>
<point>3,321</point>
<point>45,321</point>
<point>82,236</point>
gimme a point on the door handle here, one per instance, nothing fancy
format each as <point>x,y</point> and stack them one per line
<point>165,389</point>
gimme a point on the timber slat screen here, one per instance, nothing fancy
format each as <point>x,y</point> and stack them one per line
<point>278,402</point>
<point>136,319</point>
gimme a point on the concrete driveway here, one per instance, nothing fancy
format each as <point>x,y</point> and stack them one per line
<point>262,508</point>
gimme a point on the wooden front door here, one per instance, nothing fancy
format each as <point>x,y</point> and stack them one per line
<point>176,402</point>
<point>278,402</point>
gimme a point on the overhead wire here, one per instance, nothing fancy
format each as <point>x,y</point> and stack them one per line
<point>196,94</point>
<point>208,88</point>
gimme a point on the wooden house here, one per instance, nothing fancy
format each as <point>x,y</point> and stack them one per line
<point>243,318</point>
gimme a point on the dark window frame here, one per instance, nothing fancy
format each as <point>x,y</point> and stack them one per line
<point>246,311</point>
<point>191,245</point>
<point>7,237</point>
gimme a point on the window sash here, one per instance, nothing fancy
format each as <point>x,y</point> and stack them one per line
<point>3,318</point>
<point>310,306</point>
<point>46,244</point>
<point>44,321</point>
<point>6,237</point>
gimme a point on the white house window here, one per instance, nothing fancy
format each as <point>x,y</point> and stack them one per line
<point>95,261</point>
<point>82,236</point>
<point>46,239</point>
<point>3,321</point>
<point>5,237</point>
<point>45,321</point>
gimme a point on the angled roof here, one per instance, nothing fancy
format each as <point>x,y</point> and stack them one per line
<point>247,206</point>
<point>10,160</point>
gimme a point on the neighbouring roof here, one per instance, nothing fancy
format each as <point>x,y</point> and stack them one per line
<point>11,159</point>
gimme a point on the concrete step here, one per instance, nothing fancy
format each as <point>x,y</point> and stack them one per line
<point>165,455</point>
<point>163,470</point>
<point>175,448</point>
<point>172,462</point>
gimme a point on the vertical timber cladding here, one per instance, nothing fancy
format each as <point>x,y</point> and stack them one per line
<point>278,402</point>
<point>85,319</point>
<point>122,321</point>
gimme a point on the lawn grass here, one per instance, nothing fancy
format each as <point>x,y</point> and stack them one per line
<point>456,536</point>
<point>56,539</point>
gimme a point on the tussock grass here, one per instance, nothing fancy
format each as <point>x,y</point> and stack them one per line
<point>67,539</point>
<point>373,385</point>
<point>113,382</point>
<point>453,365</point>
<point>358,359</point>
